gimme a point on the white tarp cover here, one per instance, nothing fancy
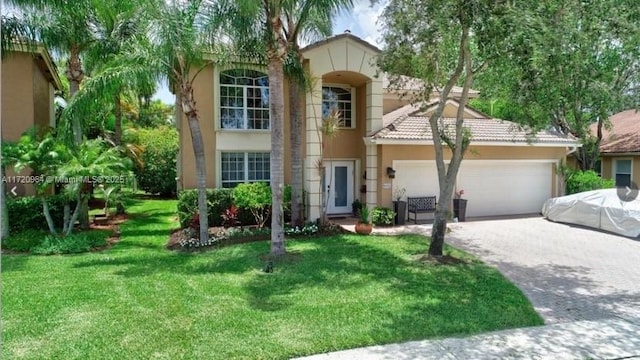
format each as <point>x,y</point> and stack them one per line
<point>600,209</point>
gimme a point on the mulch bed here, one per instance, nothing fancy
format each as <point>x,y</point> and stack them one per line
<point>114,225</point>
<point>178,235</point>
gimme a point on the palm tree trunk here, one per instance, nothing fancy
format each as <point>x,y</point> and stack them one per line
<point>74,217</point>
<point>75,74</point>
<point>189,109</point>
<point>118,121</point>
<point>276,107</point>
<point>47,216</point>
<point>66,217</point>
<point>295,137</point>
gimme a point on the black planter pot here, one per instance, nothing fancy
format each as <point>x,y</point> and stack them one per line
<point>400,208</point>
<point>460,209</point>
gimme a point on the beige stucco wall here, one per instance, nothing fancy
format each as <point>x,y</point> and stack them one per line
<point>203,96</point>
<point>388,153</point>
<point>17,95</point>
<point>41,99</point>
<point>216,140</point>
<point>607,166</point>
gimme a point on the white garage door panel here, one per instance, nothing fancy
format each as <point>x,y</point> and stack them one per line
<point>417,178</point>
<point>504,188</point>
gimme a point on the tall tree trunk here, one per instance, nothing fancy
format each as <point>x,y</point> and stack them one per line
<point>4,211</point>
<point>47,216</point>
<point>447,175</point>
<point>276,107</point>
<point>74,217</point>
<point>295,138</point>
<point>189,109</point>
<point>66,217</point>
<point>117,137</point>
<point>75,75</point>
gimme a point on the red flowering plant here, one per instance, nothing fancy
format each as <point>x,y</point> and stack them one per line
<point>459,193</point>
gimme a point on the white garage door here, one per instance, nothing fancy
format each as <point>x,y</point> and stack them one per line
<point>418,178</point>
<point>503,187</point>
<point>491,187</point>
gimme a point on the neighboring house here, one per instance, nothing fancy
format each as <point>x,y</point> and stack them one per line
<point>620,148</point>
<point>29,82</point>
<point>503,172</point>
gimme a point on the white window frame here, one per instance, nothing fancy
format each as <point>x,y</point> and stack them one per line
<point>245,107</point>
<point>245,164</point>
<point>614,171</point>
<point>352,90</point>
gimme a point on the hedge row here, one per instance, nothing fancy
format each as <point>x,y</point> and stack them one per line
<point>25,213</point>
<point>219,200</point>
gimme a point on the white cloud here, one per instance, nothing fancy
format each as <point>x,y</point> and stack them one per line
<point>362,20</point>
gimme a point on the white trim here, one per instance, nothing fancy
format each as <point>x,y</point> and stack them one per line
<point>614,168</point>
<point>352,90</point>
<point>473,143</point>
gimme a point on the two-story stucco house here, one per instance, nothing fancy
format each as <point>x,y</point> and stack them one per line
<point>384,144</point>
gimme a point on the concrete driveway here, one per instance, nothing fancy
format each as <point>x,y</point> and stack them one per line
<point>569,273</point>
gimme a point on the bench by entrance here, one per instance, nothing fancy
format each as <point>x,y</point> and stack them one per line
<point>420,205</point>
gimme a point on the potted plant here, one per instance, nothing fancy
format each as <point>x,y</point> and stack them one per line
<point>460,206</point>
<point>364,226</point>
<point>399,206</point>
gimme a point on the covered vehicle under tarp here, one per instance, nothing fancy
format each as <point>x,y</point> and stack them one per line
<point>600,209</point>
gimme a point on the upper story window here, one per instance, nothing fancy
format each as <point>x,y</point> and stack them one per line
<point>336,98</point>
<point>244,99</point>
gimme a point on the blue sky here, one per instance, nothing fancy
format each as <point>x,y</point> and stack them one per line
<point>361,21</point>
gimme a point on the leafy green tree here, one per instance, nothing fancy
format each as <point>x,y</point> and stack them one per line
<point>441,42</point>
<point>157,173</point>
<point>567,65</point>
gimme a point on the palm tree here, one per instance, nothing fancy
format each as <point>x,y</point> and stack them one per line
<point>274,23</point>
<point>306,20</point>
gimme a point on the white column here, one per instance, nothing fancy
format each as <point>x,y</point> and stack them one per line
<point>314,151</point>
<point>374,122</point>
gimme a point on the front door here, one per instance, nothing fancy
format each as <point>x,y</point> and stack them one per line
<point>339,187</point>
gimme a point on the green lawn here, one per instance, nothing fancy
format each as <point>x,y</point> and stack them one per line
<point>138,300</point>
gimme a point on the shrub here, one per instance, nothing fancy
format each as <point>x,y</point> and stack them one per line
<point>158,173</point>
<point>255,197</point>
<point>218,200</point>
<point>42,243</point>
<point>579,181</point>
<point>24,240</point>
<point>230,217</point>
<point>382,216</point>
<point>70,244</point>
<point>25,213</point>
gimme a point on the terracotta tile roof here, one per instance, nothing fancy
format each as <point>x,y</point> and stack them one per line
<point>624,136</point>
<point>410,123</point>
